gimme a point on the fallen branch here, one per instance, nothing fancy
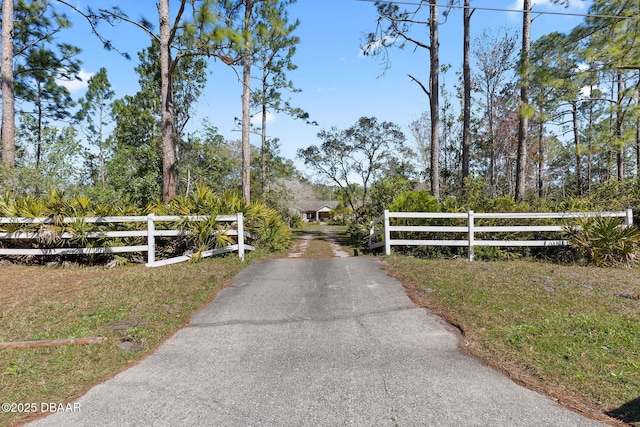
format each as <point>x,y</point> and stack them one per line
<point>50,343</point>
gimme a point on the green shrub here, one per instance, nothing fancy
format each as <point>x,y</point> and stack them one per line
<point>386,190</point>
<point>342,214</point>
<point>508,205</point>
<point>415,201</point>
<point>293,219</point>
<point>610,196</point>
<point>421,201</point>
<point>604,242</point>
<point>473,195</point>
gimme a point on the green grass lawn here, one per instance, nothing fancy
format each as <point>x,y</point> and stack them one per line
<point>134,307</point>
<point>572,332</point>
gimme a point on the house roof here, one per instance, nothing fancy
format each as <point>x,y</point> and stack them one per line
<point>316,205</point>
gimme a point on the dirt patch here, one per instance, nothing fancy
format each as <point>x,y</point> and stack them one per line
<point>335,246</point>
<point>299,248</point>
<point>320,243</point>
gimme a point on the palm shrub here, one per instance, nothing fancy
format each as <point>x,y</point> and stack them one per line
<point>56,206</point>
<point>47,235</point>
<point>293,219</point>
<point>265,224</point>
<point>270,231</point>
<point>358,229</point>
<point>604,242</point>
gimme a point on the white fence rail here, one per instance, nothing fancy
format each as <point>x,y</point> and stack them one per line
<point>150,233</point>
<point>382,236</point>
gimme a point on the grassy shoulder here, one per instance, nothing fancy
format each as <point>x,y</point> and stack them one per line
<point>134,307</point>
<point>572,332</point>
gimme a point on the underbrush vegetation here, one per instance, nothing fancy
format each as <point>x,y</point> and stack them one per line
<point>267,226</point>
<point>603,242</point>
<point>595,241</point>
<point>570,331</point>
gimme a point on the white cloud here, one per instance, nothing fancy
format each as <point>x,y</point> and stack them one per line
<point>75,86</point>
<point>256,119</point>
<point>372,47</point>
<point>585,92</point>
<point>582,67</point>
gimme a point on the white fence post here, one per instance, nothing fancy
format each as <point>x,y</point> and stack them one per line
<point>470,225</point>
<point>387,234</point>
<point>241,236</point>
<point>628,218</point>
<point>370,235</point>
<point>151,240</point>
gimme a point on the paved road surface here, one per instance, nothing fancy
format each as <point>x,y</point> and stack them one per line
<point>324,342</point>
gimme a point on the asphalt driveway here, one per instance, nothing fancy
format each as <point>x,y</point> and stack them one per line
<point>322,342</point>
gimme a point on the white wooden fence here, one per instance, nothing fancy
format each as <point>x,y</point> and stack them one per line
<point>470,230</point>
<point>150,233</point>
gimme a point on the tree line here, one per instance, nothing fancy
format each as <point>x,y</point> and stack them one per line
<point>556,115</point>
<point>147,144</point>
<point>525,108</point>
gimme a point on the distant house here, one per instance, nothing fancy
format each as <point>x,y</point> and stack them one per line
<point>316,210</point>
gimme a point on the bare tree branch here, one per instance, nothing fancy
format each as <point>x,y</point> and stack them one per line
<point>93,20</point>
<point>421,85</point>
<point>131,21</point>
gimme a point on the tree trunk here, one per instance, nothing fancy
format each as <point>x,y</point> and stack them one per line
<point>101,142</point>
<point>638,133</point>
<point>434,102</point>
<point>246,104</point>
<point>493,187</point>
<point>638,147</point>
<point>263,134</point>
<point>576,140</point>
<point>541,160</point>
<point>8,94</point>
<point>169,172</point>
<point>523,125</point>
<point>619,120</point>
<point>38,103</point>
<point>466,75</point>
<point>589,155</point>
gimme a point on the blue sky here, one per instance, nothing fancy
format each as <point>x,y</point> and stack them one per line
<point>338,83</point>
